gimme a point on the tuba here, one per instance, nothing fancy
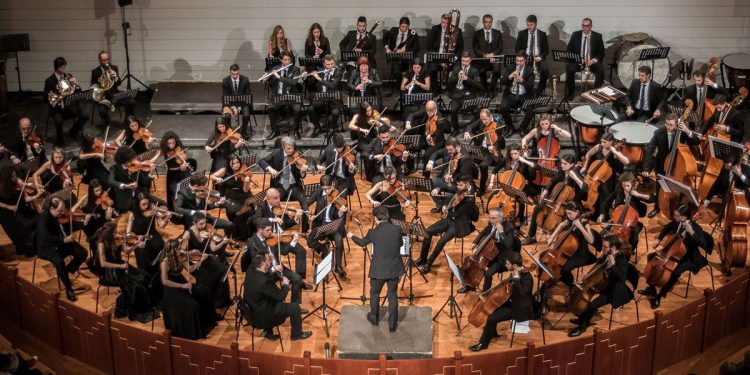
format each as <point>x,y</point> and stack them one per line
<point>106,83</point>
<point>63,89</point>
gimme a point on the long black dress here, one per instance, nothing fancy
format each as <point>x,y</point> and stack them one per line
<point>135,300</point>
<point>220,156</point>
<point>186,314</point>
<point>19,225</point>
<point>145,255</point>
<point>95,222</point>
<point>236,196</point>
<point>174,176</point>
<point>208,276</point>
<point>93,168</point>
<point>392,204</point>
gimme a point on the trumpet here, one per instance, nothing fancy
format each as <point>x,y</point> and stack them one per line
<point>460,83</point>
<point>269,74</point>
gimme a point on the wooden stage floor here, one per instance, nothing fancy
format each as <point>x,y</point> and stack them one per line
<point>445,337</point>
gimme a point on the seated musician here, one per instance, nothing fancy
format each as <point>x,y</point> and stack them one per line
<point>18,215</point>
<point>257,246</point>
<point>105,68</point>
<point>662,143</point>
<point>487,45</point>
<point>491,150</point>
<point>278,43</point>
<point>317,44</point>
<point>90,164</point>
<point>199,239</point>
<point>286,174</point>
<point>126,184</point>
<point>238,84</point>
<point>519,307</point>
<point>389,196</point>
<point>135,135</point>
<point>432,138</point>
<point>693,237</point>
<point>353,38</point>
<point>703,88</point>
<point>55,174</point>
<point>364,81</point>
<point>194,197</point>
<point>222,143</point>
<point>638,202</point>
<point>54,244</point>
<point>566,175</point>
<point>590,46</point>
<point>524,168</point>
<point>272,210</point>
<point>142,224</point>
<point>60,112</point>
<point>283,82</point>
<point>379,155</point>
<point>97,211</point>
<point>327,81</point>
<point>519,82</point>
<point>437,43</point>
<point>416,80</point>
<point>463,84</point>
<point>459,215</point>
<point>399,40</point>
<point>333,162</point>
<point>326,211</point>
<point>614,159</point>
<point>726,119</point>
<point>533,43</point>
<point>645,98</point>
<point>365,123</point>
<point>616,292</point>
<point>179,165</point>
<point>722,185</point>
<point>25,144</point>
<point>267,300</point>
<point>585,236</point>
<point>454,164</point>
<point>506,241</point>
<point>234,183</point>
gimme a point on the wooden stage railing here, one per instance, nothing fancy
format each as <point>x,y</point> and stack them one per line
<point>658,341</point>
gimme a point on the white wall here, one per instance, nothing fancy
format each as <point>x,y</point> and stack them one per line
<point>193,39</point>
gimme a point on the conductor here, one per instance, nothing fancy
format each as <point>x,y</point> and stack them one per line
<point>386,266</point>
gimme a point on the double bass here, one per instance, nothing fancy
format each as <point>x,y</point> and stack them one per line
<point>680,165</point>
<point>709,107</point>
<point>659,269</point>
<point>736,237</point>
<point>475,264</point>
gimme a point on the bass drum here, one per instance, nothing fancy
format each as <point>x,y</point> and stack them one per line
<point>627,61</point>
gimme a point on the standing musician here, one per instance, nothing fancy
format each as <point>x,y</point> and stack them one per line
<point>459,215</point>
<point>339,161</point>
<point>60,112</point>
<point>662,142</point>
<point>135,135</point>
<point>283,81</point>
<point>278,43</point>
<point>463,84</point>
<point>17,213</point>
<point>234,183</point>
<point>616,292</point>
<point>178,164</point>
<point>127,179</point>
<point>200,239</point>
<point>56,172</point>
<point>105,68</point>
<point>195,197</point>
<point>638,201</point>
<point>693,238</point>
<point>506,241</point>
<point>142,225</point>
<point>454,164</point>
<point>327,80</point>
<point>488,46</point>
<point>224,141</point>
<point>486,135</point>
<point>54,244</point>
<point>703,88</point>
<point>645,98</point>
<point>386,267</point>
<point>287,169</point>
<point>432,130</point>
<point>519,82</point>
<point>437,43</point>
<point>364,81</point>
<point>391,195</point>
<point>25,144</point>
<point>614,159</point>
<point>533,42</point>
<point>353,38</point>
<point>520,306</point>
<point>330,205</point>
<point>272,210</point>
<point>401,39</point>
<point>90,163</point>
<point>590,45</point>
<point>585,236</point>
<point>726,119</point>
<point>238,84</point>
<point>380,155</point>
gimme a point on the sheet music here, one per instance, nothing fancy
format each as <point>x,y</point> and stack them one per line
<point>607,91</point>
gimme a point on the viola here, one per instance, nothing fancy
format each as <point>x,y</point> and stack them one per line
<point>394,148</point>
<point>547,149</point>
<point>431,129</point>
<point>140,166</point>
<point>680,165</point>
<point>659,269</point>
<point>101,148</point>
<point>490,138</point>
<point>475,264</point>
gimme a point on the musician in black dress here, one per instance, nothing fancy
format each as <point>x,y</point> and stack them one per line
<point>585,236</point>
<point>454,163</point>
<point>329,80</point>
<point>353,41</point>
<point>62,111</point>
<point>386,267</point>
<point>286,174</point>
<point>96,213</point>
<point>142,226</point>
<point>491,155</point>
<point>114,72</point>
<point>17,213</point>
<point>418,123</point>
<point>90,164</point>
<point>463,84</point>
<point>238,84</point>
<point>388,196</point>
<point>178,165</point>
<point>399,40</point>
<point>645,98</point>
<point>55,174</point>
<point>125,184</point>
<point>487,45</point>
<point>524,168</point>
<point>614,159</point>
<point>520,306</point>
<point>533,43</point>
<point>332,162</point>
<point>235,184</point>
<point>416,80</point>
<point>283,81</point>
<point>616,292</point>
<point>519,82</point>
<point>638,201</point>
<point>194,197</point>
<point>590,45</point>
<point>199,239</point>
<point>378,156</point>
<point>127,136</point>
<point>317,44</point>
<point>327,210</point>
<point>222,143</point>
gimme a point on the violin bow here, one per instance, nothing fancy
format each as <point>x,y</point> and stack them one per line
<point>290,164</point>
<point>487,132</point>
<point>342,156</point>
<point>104,144</point>
<point>57,173</point>
<point>234,131</point>
<point>145,127</point>
<point>329,204</point>
<point>238,172</point>
<point>18,201</point>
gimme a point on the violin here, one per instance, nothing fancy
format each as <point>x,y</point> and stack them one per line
<point>680,165</point>
<point>140,166</point>
<point>335,198</point>
<point>104,201</point>
<point>232,135</point>
<point>431,129</point>
<point>28,187</point>
<point>33,138</point>
<point>394,148</point>
<point>160,212</point>
<point>455,201</point>
<point>397,189</point>
<point>78,216</point>
<point>63,171</point>
<point>143,134</point>
<point>101,148</point>
<point>297,160</point>
<point>284,238</point>
<point>490,138</point>
<point>347,156</point>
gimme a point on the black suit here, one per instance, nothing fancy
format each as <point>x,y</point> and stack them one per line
<point>654,95</point>
<point>256,246</point>
<point>51,246</point>
<point>438,138</point>
<point>278,160</point>
<point>186,203</point>
<point>693,260</point>
<point>541,41</point>
<point>660,143</point>
<point>124,198</point>
<point>300,255</point>
<point>480,47</point>
<point>471,87</point>
<point>735,126</point>
<point>321,203</point>
<point>342,176</point>
<point>511,100</point>
<point>596,52</point>
<point>386,267</point>
<point>465,166</point>
<point>18,147</point>
<point>328,82</point>
<point>242,88</point>
<point>285,84</point>
<point>391,39</point>
<point>62,112</point>
<point>616,292</point>
<point>520,307</point>
<point>457,224</point>
<point>267,302</point>
<point>375,168</point>
<point>435,40</point>
<point>691,92</point>
<point>104,110</point>
<point>506,241</point>
<point>350,41</point>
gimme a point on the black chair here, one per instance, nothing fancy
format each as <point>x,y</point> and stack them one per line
<point>245,311</point>
<point>103,283</point>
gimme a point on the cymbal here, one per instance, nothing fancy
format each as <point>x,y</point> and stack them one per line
<point>636,37</point>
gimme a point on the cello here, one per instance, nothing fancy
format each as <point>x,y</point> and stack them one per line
<point>489,301</point>
<point>659,269</point>
<point>680,165</point>
<point>513,179</point>
<point>547,149</point>
<point>554,207</point>
<point>475,264</point>
<point>563,247</point>
<point>598,173</point>
<point>584,292</point>
<point>736,236</point>
<point>627,217</point>
<point>709,107</point>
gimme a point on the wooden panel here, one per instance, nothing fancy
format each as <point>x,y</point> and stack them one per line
<point>194,358</point>
<point>8,298</point>
<point>139,352</point>
<point>38,310</point>
<point>575,356</point>
<point>85,335</point>
<point>725,309</point>
<point>626,350</point>
<point>679,333</point>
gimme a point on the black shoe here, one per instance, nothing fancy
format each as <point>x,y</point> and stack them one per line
<point>303,311</point>
<point>306,286</point>
<point>575,321</point>
<point>465,289</point>
<point>372,319</point>
<point>529,241</point>
<point>274,134</point>
<point>71,295</point>
<point>477,347</point>
<point>392,328</point>
<point>650,291</point>
<point>269,335</point>
<point>302,336</point>
<point>425,268</point>
<point>340,271</point>
<point>655,302</point>
<point>436,210</point>
<point>316,132</point>
<point>653,213</point>
<point>577,331</point>
<point>420,262</point>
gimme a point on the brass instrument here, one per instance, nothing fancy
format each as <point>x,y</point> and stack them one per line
<point>106,83</point>
<point>64,88</point>
<point>460,83</point>
<point>514,86</point>
<point>412,33</point>
<point>448,44</point>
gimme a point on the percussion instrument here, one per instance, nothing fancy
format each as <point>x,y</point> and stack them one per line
<point>738,69</point>
<point>635,136</point>
<point>590,124</point>
<point>627,61</point>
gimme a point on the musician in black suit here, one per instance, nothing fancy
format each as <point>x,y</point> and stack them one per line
<point>106,68</point>
<point>645,97</point>
<point>327,81</point>
<point>464,166</point>
<point>18,147</point>
<point>519,82</point>
<point>457,221</point>
<point>533,42</point>
<point>54,244</point>
<point>238,84</point>
<point>520,306</point>
<point>437,43</point>
<point>282,83</point>
<point>726,119</point>
<point>353,37</point>
<point>286,178</point>
<point>488,43</point>
<point>694,238</point>
<point>662,143</point>
<point>376,157</point>
<point>401,39</point>
<point>429,143</point>
<point>616,292</point>
<point>61,111</point>
<point>463,84</point>
<point>127,185</point>
<point>193,197</point>
<point>332,164</point>
<point>702,88</point>
<point>267,300</point>
<point>325,213</point>
<point>386,267</point>
<point>481,139</point>
<point>590,45</point>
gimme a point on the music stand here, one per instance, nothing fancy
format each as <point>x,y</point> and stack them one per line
<point>309,190</point>
<point>324,230</point>
<point>411,230</point>
<point>411,141</point>
<point>240,100</point>
<point>254,200</point>
<point>454,310</point>
<point>64,194</point>
<point>399,56</point>
<point>355,101</point>
<point>310,61</point>
<point>322,270</point>
<point>416,185</point>
<point>603,112</point>
<point>80,96</point>
<point>473,150</point>
<point>271,62</point>
<point>234,277</point>
<point>328,98</point>
<point>670,185</point>
<point>15,43</point>
<point>534,103</point>
<point>417,98</point>
<point>471,105</point>
<point>293,98</point>
<point>353,56</point>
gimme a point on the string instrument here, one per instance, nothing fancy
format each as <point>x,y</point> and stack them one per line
<point>511,178</point>
<point>284,238</point>
<point>140,166</point>
<point>394,148</point>
<point>714,165</point>
<point>736,236</point>
<point>659,269</point>
<point>27,187</point>
<point>563,247</point>
<point>377,118</point>
<point>297,160</point>
<point>432,128</point>
<point>336,198</point>
<point>62,171</point>
<point>104,201</point>
<point>160,212</point>
<point>680,165</point>
<point>627,217</point>
<point>347,156</point>
<point>179,155</point>
<point>475,264</point>
<point>584,292</point>
<point>490,138</point>
<point>33,138</point>
<point>455,201</point>
<point>547,148</point>
<point>231,135</point>
<point>598,172</point>
<point>143,135</point>
<point>453,164</point>
<point>489,301</point>
<point>709,107</point>
<point>398,190</point>
<point>77,216</point>
<point>101,148</point>
<point>553,211</point>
